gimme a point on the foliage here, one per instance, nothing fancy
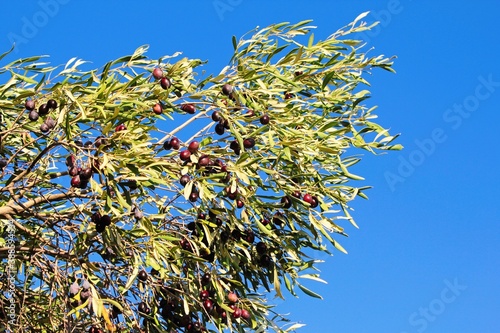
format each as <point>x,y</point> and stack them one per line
<point>256,200</point>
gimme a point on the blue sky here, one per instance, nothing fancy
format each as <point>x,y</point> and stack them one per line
<point>426,256</point>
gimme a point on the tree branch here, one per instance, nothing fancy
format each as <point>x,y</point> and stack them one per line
<point>12,209</point>
<point>12,181</point>
<point>4,251</point>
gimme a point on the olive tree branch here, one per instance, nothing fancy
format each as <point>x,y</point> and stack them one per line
<point>12,181</point>
<point>4,251</point>
<point>12,209</point>
<point>187,122</point>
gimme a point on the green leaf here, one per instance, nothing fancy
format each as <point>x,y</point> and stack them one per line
<point>327,79</point>
<point>289,286</point>
<point>235,43</point>
<point>264,229</point>
<point>339,247</point>
<point>359,17</point>
<point>6,53</point>
<point>346,173</point>
<point>300,51</point>
<point>24,78</point>
<point>312,277</point>
<point>396,147</point>
<point>276,51</point>
<point>294,327</point>
<point>276,283</point>
<point>132,277</point>
<point>309,292</point>
<point>300,24</point>
<point>310,42</point>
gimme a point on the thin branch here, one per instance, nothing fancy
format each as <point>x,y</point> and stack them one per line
<point>4,251</point>
<point>21,175</point>
<point>11,209</point>
<point>189,121</point>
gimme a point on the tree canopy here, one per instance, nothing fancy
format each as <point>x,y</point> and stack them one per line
<point>143,196</point>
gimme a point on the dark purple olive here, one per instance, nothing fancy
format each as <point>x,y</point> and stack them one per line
<point>143,308</point>
<point>261,248</point>
<point>3,163</point>
<point>99,227</point>
<point>165,83</point>
<point>33,115</point>
<point>175,143</point>
<point>44,128</point>
<point>193,197</point>
<point>100,141</point>
<point>249,143</point>
<point>227,89</point>
<point>96,217</point>
<point>157,73</point>
<point>286,202</point>
<point>73,171</point>
<point>216,116</point>
<point>51,123</point>
<point>75,181</point>
<point>106,220</point>
<point>188,108</point>
<point>43,109</point>
<point>167,145</point>
<point>185,155</point>
<point>86,174</point>
<point>184,180</point>
<point>264,120</point>
<point>29,104</point>
<point>219,129</point>
<point>204,161</point>
<point>52,104</point>
<point>225,123</point>
<point>143,275</point>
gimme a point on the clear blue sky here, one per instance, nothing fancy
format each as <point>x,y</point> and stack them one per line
<point>426,256</point>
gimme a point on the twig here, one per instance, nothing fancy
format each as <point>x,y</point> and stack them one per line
<point>11,209</point>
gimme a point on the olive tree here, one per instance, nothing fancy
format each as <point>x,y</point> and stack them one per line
<point>145,197</point>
